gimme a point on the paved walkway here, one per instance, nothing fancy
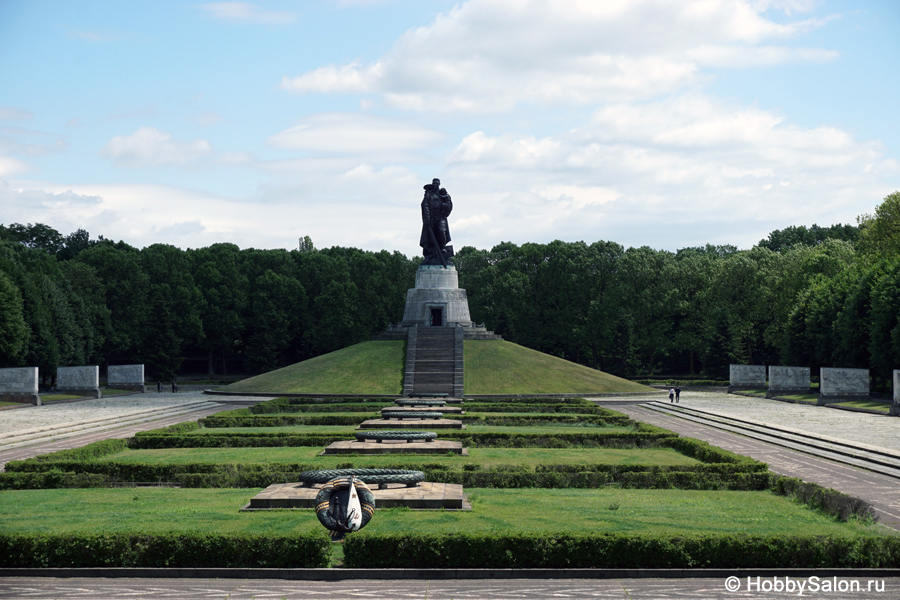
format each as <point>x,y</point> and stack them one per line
<point>515,589</point>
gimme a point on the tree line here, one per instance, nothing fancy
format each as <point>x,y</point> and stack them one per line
<point>817,296</point>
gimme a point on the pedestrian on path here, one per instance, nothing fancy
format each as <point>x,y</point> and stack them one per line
<point>158,386</point>
<point>174,387</point>
<point>677,394</point>
<point>671,395</point>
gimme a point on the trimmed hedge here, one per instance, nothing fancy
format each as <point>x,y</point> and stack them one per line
<point>514,400</point>
<point>521,407</point>
<point>52,479</point>
<point>827,500</point>
<point>184,550</point>
<point>261,409</point>
<point>335,400</point>
<point>228,419</point>
<point>367,549</point>
<point>545,420</point>
<point>232,440</point>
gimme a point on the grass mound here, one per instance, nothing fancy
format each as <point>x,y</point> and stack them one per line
<point>501,367</point>
<point>374,367</point>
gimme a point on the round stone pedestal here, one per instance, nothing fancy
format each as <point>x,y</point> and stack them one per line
<point>437,299</point>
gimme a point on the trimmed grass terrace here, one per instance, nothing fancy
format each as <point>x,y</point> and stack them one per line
<point>501,367</point>
<point>486,457</point>
<point>161,510</point>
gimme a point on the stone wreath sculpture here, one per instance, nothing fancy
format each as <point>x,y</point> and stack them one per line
<point>345,503</point>
<point>411,414</point>
<point>409,436</point>
<point>420,402</point>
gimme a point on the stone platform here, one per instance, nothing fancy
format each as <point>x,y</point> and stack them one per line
<point>397,447</point>
<point>426,495</point>
<point>412,424</point>
<point>446,410</point>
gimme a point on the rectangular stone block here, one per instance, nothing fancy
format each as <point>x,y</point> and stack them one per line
<point>19,380</point>
<point>843,382</point>
<point>896,387</point>
<point>788,378</point>
<point>126,377</point>
<point>747,375</point>
<point>73,378</point>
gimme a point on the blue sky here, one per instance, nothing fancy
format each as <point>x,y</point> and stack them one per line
<point>645,122</point>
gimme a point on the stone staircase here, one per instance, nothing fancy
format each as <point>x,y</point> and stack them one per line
<point>434,362</point>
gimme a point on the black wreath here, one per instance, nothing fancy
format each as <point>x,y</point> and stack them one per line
<point>370,476</point>
<point>420,402</point>
<point>426,436</point>
<point>411,414</point>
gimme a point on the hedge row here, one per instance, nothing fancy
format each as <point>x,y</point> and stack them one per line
<point>187,550</point>
<point>545,420</point>
<point>827,500</point>
<point>519,551</point>
<point>335,400</point>
<point>580,437</point>
<point>227,420</point>
<point>251,476</point>
<point>534,407</point>
<point>514,400</point>
<point>265,408</point>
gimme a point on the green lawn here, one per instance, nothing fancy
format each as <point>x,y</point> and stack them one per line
<point>158,510</point>
<point>500,367</point>
<point>878,405</point>
<point>374,367</point>
<point>486,457</point>
<point>348,430</point>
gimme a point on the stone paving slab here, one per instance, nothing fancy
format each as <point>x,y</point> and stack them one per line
<point>426,495</point>
<point>661,584</point>
<point>397,447</point>
<point>862,428</point>
<point>74,413</point>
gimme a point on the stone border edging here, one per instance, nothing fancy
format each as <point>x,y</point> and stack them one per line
<point>330,574</point>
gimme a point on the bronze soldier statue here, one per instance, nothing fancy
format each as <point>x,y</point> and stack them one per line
<point>436,207</point>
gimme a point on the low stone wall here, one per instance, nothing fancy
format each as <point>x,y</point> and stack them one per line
<point>126,377</point>
<point>20,384</point>
<point>842,384</point>
<point>746,377</point>
<point>788,380</point>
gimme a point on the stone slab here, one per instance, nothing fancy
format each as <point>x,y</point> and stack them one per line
<point>747,376</point>
<point>452,410</point>
<point>397,447</point>
<point>843,383</point>
<point>426,495</point>
<point>412,424</point>
<point>19,380</point>
<point>74,378</point>
<point>788,379</point>
<point>895,407</point>
<point>126,377</point>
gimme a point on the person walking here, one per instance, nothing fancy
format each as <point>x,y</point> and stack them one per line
<point>158,386</point>
<point>677,394</point>
<point>174,387</point>
<point>671,395</point>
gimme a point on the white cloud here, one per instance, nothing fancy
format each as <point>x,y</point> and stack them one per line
<point>378,138</point>
<point>151,147</point>
<point>11,166</point>
<point>245,12</point>
<point>491,55</point>
<point>12,113</point>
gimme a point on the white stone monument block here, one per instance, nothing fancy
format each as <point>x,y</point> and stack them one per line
<point>835,384</point>
<point>20,380</point>
<point>895,407</point>
<point>126,377</point>
<point>20,384</point>
<point>787,379</point>
<point>747,376</point>
<point>78,377</point>
<point>79,380</point>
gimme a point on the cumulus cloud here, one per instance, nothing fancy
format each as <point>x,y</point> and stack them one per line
<point>245,12</point>
<point>12,113</point>
<point>11,166</point>
<point>489,55</point>
<point>151,147</point>
<point>378,138</point>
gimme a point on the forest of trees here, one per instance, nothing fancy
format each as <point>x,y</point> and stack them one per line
<point>818,296</point>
